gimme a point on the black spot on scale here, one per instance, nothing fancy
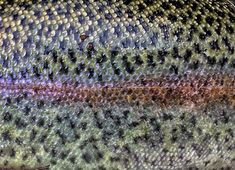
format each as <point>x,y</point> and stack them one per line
<point>202,36</point>
<point>229,29</point>
<point>108,114</point>
<point>54,56</point>
<point>53,162</point>
<point>25,157</point>
<point>210,60</point>
<point>101,167</point>
<point>24,5</point>
<point>8,101</point>
<point>231,18</point>
<point>41,122</point>
<point>158,13</point>
<point>130,28</point>
<point>134,124</point>
<point>130,13</point>
<point>194,65</point>
<point>46,64</point>
<point>207,32</point>
<point>51,76</point>
<point>130,69</point>
<point>127,149</point>
<point>209,7</point>
<point>10,2</point>
<point>72,124</point>
<point>20,123</point>
<point>161,55</point>
<point>165,6</point>
<point>90,72</point>
<point>138,60</point>
<point>12,152</point>
<point>101,59</point>
<point>174,69</point>
<point>167,116</point>
<point>141,7</point>
<point>226,41</point>
<point>90,50</point>
<point>63,67</point>
<point>172,18</point>
<point>210,20</point>
<point>113,54</point>
<point>42,138</point>
<point>155,124</point>
<point>150,61</point>
<point>108,16</point>
<point>126,43</point>
<point>165,30</point>
<point>27,110</point>
<point>219,27</point>
<point>6,136</point>
<point>114,159</point>
<point>98,121</point>
<point>127,2</point>
<point>87,157</point>
<point>121,133</point>
<point>72,159</point>
<point>36,71</point>
<point>197,48</point>
<point>77,6</point>
<point>71,55</point>
<point>81,67</point>
<point>100,78</point>
<point>40,104</point>
<point>183,18</point>
<point>6,162</point>
<point>63,155</point>
<point>223,61</point>
<point>63,44</point>
<point>214,45</point>
<point>7,116</point>
<point>178,33</point>
<point>175,53</point>
<point>62,136</point>
<point>148,2</point>
<point>143,23</point>
<point>199,18</point>
<point>174,136</point>
<point>225,117</point>
<point>54,152</point>
<point>177,4</point>
<point>187,55</point>
<point>81,19</point>
<point>190,14</point>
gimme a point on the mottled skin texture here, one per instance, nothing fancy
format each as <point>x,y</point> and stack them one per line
<point>136,84</point>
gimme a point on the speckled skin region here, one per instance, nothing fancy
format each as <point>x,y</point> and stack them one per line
<point>120,84</point>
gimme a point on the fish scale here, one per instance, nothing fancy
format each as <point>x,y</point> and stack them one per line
<point>127,84</point>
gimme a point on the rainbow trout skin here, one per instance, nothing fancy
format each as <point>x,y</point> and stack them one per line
<point>138,84</point>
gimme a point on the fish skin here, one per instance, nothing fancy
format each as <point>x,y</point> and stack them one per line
<point>107,44</point>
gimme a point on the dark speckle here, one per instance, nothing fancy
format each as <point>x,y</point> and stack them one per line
<point>20,123</point>
<point>6,136</point>
<point>7,116</point>
<point>86,157</point>
<point>108,16</point>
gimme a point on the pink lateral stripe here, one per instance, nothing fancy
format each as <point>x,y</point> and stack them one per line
<point>164,91</point>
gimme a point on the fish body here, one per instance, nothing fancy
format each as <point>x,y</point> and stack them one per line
<point>136,84</point>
